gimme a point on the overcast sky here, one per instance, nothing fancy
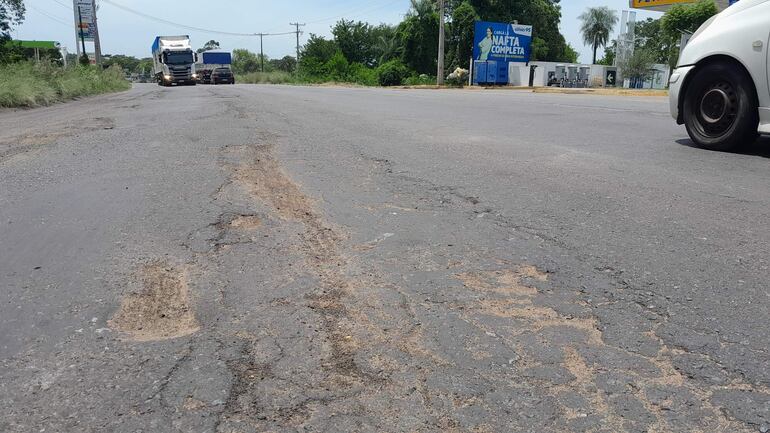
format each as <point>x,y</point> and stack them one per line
<point>125,33</point>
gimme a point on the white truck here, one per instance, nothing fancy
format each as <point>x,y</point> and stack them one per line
<point>174,60</point>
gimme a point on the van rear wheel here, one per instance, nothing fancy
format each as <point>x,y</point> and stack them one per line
<point>720,109</point>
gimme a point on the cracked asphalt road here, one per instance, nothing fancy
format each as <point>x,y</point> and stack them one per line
<point>256,258</point>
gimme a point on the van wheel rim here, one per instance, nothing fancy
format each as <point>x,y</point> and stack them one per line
<point>718,109</point>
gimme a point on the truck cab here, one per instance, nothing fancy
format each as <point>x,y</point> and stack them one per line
<point>174,61</point>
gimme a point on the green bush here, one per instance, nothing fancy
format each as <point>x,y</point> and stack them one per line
<point>28,84</point>
<point>275,77</point>
<point>420,80</point>
<point>336,69</point>
<point>360,74</point>
<point>392,73</point>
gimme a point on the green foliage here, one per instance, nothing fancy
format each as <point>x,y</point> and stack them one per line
<point>285,64</point>
<point>275,77</point>
<point>649,37</point>
<point>361,74</point>
<point>638,66</point>
<point>462,27</point>
<point>609,54</point>
<point>125,63</point>
<point>336,69</point>
<point>11,12</point>
<point>597,25</point>
<point>144,66</point>
<point>418,36</point>
<point>318,48</point>
<point>387,48</point>
<point>687,18</point>
<point>570,54</point>
<point>392,73</point>
<point>363,43</point>
<point>539,49</point>
<point>244,61</point>
<point>14,52</point>
<point>210,45</point>
<point>420,80</point>
<point>26,84</point>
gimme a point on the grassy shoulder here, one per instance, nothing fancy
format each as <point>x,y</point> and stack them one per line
<point>339,71</point>
<point>280,77</point>
<point>28,84</point>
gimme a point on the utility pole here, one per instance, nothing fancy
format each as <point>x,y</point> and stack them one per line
<point>97,43</point>
<point>261,52</point>
<point>297,25</point>
<point>440,72</point>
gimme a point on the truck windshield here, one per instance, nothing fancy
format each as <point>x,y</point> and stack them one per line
<point>183,58</point>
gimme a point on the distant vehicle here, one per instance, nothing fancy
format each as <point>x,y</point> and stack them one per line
<point>222,76</point>
<point>720,88</point>
<point>173,60</point>
<point>210,60</point>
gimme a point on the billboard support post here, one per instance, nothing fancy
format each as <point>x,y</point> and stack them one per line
<point>97,43</point>
<point>82,37</point>
<point>470,72</point>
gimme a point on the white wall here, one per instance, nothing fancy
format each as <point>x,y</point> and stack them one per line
<point>518,74</point>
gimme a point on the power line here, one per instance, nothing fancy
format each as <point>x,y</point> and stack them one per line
<point>184,26</point>
<point>62,4</point>
<point>51,17</point>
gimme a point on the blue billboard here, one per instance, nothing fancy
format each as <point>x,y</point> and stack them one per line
<point>502,42</point>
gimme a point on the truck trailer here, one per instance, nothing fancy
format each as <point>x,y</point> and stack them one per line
<point>174,60</point>
<point>210,60</point>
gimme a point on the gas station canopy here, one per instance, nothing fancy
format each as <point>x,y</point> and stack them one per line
<point>42,45</point>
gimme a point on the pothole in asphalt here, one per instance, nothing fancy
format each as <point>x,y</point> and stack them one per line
<point>161,311</point>
<point>246,222</point>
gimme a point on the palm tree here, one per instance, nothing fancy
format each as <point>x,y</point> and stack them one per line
<point>421,8</point>
<point>387,47</point>
<point>597,25</point>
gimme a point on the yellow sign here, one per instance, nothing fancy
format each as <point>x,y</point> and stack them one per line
<point>642,4</point>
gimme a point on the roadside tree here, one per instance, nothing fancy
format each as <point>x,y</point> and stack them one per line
<point>210,45</point>
<point>684,18</point>
<point>463,18</point>
<point>638,67</point>
<point>125,63</point>
<point>597,26</point>
<point>285,64</point>
<point>418,37</point>
<point>244,61</point>
<point>11,13</point>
